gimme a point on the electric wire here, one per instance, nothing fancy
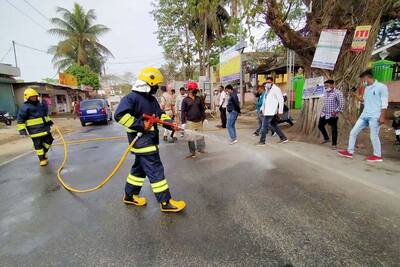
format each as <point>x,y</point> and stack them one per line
<point>26,15</point>
<point>33,48</point>
<point>6,54</point>
<point>37,10</point>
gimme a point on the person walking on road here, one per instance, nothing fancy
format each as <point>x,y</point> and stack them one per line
<point>260,100</point>
<point>33,119</point>
<point>167,105</point>
<point>333,105</point>
<point>223,102</point>
<point>272,107</point>
<point>148,163</point>
<point>193,116</point>
<point>233,108</point>
<point>178,106</point>
<point>373,116</point>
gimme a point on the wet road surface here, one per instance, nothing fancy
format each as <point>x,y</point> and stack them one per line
<point>247,206</point>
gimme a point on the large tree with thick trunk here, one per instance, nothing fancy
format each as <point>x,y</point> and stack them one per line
<point>319,15</point>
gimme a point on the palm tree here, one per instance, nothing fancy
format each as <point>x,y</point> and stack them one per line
<point>80,42</point>
<point>208,23</point>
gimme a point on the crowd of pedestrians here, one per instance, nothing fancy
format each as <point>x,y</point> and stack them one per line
<point>188,110</point>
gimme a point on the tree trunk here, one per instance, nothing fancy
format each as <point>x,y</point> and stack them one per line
<point>330,14</point>
<point>234,8</point>
<point>203,62</point>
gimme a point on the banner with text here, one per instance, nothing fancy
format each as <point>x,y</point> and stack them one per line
<point>328,49</point>
<point>360,38</point>
<point>314,88</point>
<point>229,65</point>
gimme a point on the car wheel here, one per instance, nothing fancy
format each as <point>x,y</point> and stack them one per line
<point>83,123</point>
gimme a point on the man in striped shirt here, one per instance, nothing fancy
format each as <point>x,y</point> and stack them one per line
<point>333,105</point>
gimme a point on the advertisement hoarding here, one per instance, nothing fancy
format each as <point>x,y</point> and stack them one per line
<point>229,65</point>
<point>314,88</point>
<point>360,38</point>
<point>328,49</point>
<point>68,79</point>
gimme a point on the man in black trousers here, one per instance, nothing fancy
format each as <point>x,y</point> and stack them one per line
<point>333,105</point>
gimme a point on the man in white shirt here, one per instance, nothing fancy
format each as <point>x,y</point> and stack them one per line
<point>167,105</point>
<point>223,102</point>
<point>178,106</point>
<point>272,107</point>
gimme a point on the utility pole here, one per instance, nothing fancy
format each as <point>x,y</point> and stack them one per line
<point>290,67</point>
<point>15,54</point>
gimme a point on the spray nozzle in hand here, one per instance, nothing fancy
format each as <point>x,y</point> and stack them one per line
<point>150,120</point>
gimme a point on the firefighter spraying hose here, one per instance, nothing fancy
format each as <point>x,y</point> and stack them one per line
<point>118,165</point>
<point>141,114</point>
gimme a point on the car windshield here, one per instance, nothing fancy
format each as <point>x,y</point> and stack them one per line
<point>91,104</point>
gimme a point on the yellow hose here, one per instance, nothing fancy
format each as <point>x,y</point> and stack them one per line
<point>106,180</point>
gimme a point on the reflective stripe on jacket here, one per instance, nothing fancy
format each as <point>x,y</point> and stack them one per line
<point>130,112</point>
<point>33,117</point>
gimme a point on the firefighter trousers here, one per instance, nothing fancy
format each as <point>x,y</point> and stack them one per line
<point>42,145</point>
<point>149,165</point>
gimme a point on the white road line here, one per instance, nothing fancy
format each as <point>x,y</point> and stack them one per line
<point>15,158</point>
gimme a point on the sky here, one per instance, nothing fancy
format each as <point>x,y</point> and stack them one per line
<point>132,38</point>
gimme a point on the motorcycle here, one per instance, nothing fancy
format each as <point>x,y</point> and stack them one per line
<point>5,118</point>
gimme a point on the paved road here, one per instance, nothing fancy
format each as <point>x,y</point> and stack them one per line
<point>247,206</point>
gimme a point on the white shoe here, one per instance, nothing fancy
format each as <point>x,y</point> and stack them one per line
<point>233,142</point>
<point>283,141</point>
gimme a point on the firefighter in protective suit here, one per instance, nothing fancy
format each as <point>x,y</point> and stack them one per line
<point>129,113</point>
<point>33,119</point>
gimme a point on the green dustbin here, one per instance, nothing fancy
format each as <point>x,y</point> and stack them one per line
<point>298,85</point>
<point>383,70</point>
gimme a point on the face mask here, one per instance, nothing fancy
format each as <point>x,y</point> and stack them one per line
<point>153,89</point>
<point>268,86</point>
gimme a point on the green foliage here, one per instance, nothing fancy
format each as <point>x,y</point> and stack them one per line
<point>294,12</point>
<point>194,31</point>
<point>84,75</point>
<point>172,18</point>
<point>79,42</point>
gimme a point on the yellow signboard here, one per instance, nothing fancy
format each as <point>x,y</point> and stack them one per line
<point>68,79</point>
<point>230,65</point>
<point>360,38</point>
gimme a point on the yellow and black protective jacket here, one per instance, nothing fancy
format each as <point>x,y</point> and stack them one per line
<point>130,112</point>
<point>33,117</point>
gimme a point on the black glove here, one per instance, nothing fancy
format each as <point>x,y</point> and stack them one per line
<point>50,123</point>
<point>23,132</point>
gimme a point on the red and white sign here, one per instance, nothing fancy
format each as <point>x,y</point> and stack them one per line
<point>360,38</point>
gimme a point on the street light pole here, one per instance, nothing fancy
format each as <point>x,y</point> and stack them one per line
<point>15,55</point>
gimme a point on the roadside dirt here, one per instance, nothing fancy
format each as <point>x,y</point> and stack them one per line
<point>12,144</point>
<point>387,136</point>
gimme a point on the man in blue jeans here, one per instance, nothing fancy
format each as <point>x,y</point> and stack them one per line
<point>271,108</point>
<point>260,100</point>
<point>373,116</point>
<point>233,108</point>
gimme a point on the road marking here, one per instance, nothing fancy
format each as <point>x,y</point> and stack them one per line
<point>15,158</point>
<point>344,174</point>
